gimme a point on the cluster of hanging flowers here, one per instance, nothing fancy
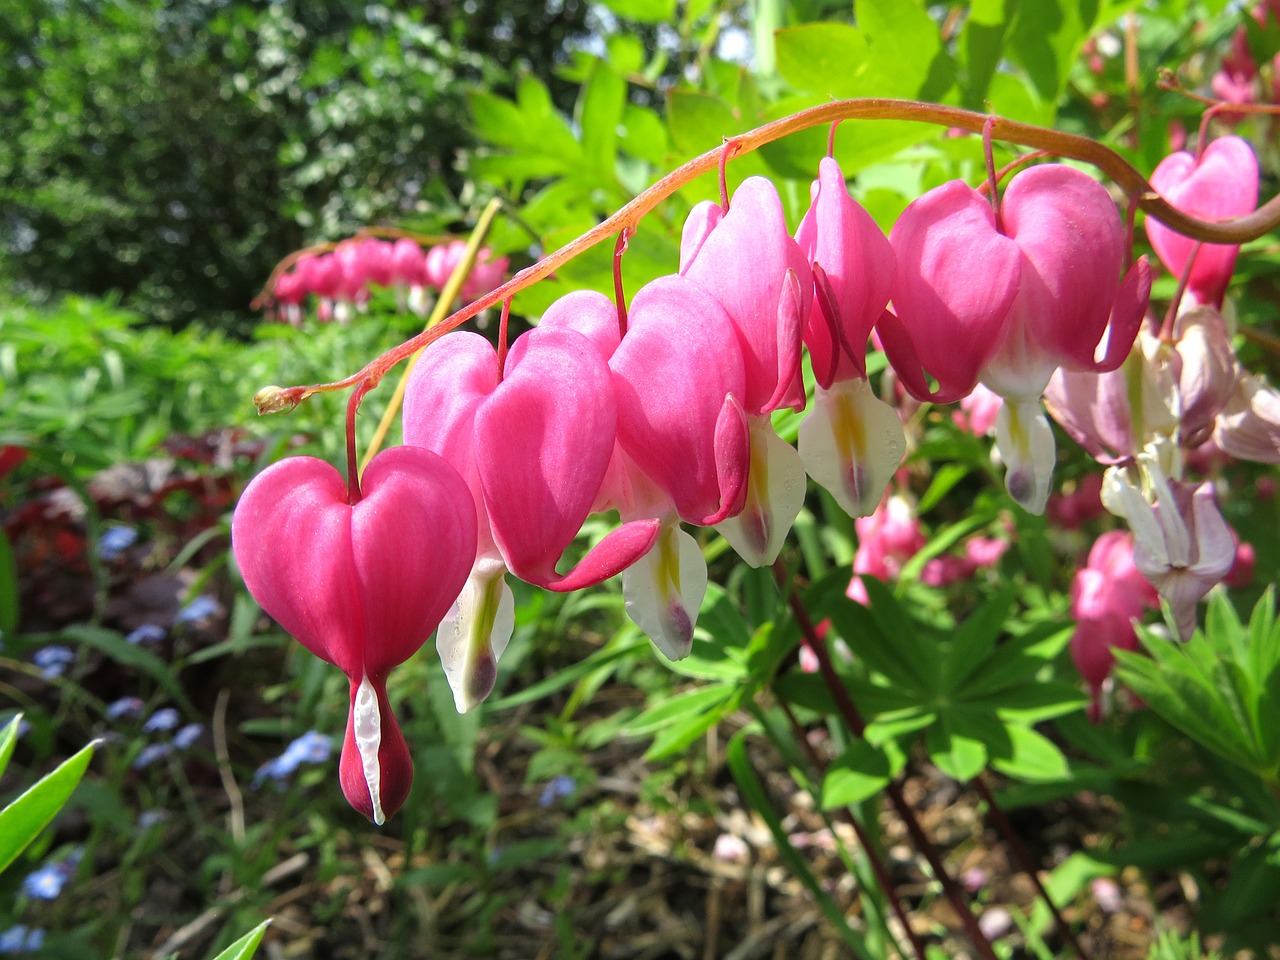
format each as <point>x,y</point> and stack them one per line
<point>341,280</point>
<point>662,412</point>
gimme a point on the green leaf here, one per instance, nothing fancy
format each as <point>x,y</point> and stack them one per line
<point>677,736</point>
<point>1035,758</point>
<point>626,53</point>
<point>599,114</point>
<point>667,712</point>
<point>860,772</point>
<point>982,42</point>
<point>8,740</point>
<point>757,799</point>
<point>698,121</point>
<point>959,755</point>
<point>643,11</point>
<point>610,654</point>
<point>1046,40</point>
<point>128,655</point>
<point>976,638</point>
<point>644,136</point>
<point>823,58</point>
<point>944,479</point>
<point>246,946</point>
<point>22,820</point>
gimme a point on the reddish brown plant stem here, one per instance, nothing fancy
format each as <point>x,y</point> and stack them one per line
<point>853,719</point>
<point>1024,860</point>
<point>873,855</point>
<point>624,237</point>
<point>1067,145</point>
<point>503,323</point>
<point>353,463</point>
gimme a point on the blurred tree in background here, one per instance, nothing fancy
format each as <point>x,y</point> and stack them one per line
<point>174,151</point>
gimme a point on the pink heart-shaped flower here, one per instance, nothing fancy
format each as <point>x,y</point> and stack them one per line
<point>361,586</point>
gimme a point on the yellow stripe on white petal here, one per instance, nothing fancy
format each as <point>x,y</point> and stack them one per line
<point>367,729</point>
<point>475,632</point>
<point>1025,441</point>
<point>775,494</point>
<point>851,443</point>
<point>664,591</point>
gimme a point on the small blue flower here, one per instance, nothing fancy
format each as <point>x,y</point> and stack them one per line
<point>19,939</point>
<point>558,786</point>
<point>116,540</point>
<point>151,753</point>
<point>151,818</point>
<point>199,608</point>
<point>125,707</point>
<point>311,747</point>
<point>53,661</point>
<point>47,882</point>
<point>188,735</point>
<point>147,633</point>
<point>165,719</point>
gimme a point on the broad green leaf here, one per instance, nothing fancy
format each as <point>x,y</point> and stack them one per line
<point>599,114</point>
<point>1035,757</point>
<point>644,136</point>
<point>722,620</point>
<point>959,755</point>
<point>667,712</point>
<point>22,820</point>
<point>1046,39</point>
<point>806,690</point>
<point>643,11</point>
<point>497,120</point>
<point>757,799</point>
<point>907,57</point>
<point>1189,702</point>
<point>860,772</point>
<point>982,42</point>
<point>8,740</point>
<point>626,53</point>
<point>822,58</point>
<point>698,121</point>
<point>246,946</point>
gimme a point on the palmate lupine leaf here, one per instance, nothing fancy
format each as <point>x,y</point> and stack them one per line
<point>1221,688</point>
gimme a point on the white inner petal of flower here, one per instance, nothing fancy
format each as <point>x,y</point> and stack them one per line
<point>368,733</point>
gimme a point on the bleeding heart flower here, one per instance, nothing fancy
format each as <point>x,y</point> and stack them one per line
<point>748,262</point>
<point>361,586</point>
<point>1108,593</point>
<point>534,449</point>
<point>1182,544</point>
<point>851,442</point>
<point>1012,302</point>
<point>1219,185</point>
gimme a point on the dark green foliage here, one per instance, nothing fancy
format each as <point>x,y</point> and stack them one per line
<point>174,153</point>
